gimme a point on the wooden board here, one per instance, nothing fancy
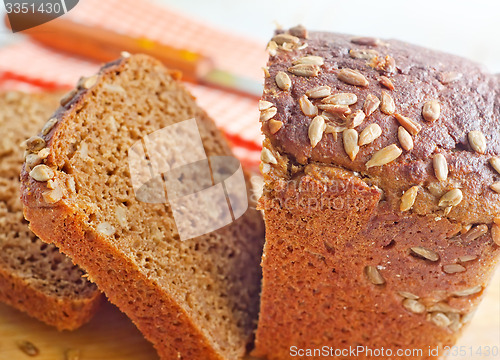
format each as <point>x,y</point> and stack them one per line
<point>111,335</point>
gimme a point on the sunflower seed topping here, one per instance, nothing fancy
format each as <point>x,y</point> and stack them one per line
<point>369,134</point>
<point>495,187</point>
<point>272,48</point>
<point>366,54</point>
<point>477,141</point>
<point>440,319</point>
<point>299,31</point>
<point>335,109</point>
<point>35,144</point>
<point>371,104</point>
<point>274,126</point>
<point>267,156</point>
<point>87,82</point>
<point>268,113</point>
<point>411,125</point>
<point>319,92</point>
<point>385,81</point>
<point>408,295</point>
<point>367,41</point>
<point>440,167</point>
<point>431,110</point>
<point>264,105</point>
<point>384,156</point>
<point>495,163</point>
<point>355,119</point>
<point>283,81</point>
<point>453,268</point>
<point>405,139</point>
<point>48,126</point>
<point>54,195</point>
<point>469,291</point>
<point>414,306</point>
<point>316,130</point>
<point>280,39</point>
<point>451,198</point>
<point>425,253</point>
<point>467,258</point>
<point>307,107</point>
<point>448,77</point>
<point>341,99</point>
<point>352,77</point>
<point>495,233</point>
<point>67,98</point>
<point>42,173</point>
<point>311,59</point>
<point>304,70</point>
<point>374,275</point>
<point>387,105</point>
<point>351,147</point>
<point>408,198</point>
<point>474,233</point>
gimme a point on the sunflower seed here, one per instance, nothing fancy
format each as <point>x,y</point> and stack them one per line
<point>351,147</point>
<point>384,156</point>
<point>448,77</point>
<point>440,167</point>
<point>67,98</point>
<point>280,39</point>
<point>495,187</point>
<point>35,144</point>
<point>52,196</point>
<point>48,126</point>
<point>106,228</point>
<point>442,307</point>
<point>341,99</point>
<point>335,109</point>
<point>474,233</point>
<point>42,173</point>
<point>414,306</point>
<point>477,141</point>
<point>371,104</point>
<point>425,253</point>
<point>467,258</point>
<point>319,92</point>
<point>283,81</point>
<point>369,134</point>
<point>268,113</point>
<point>374,275</point>
<point>408,295</point>
<point>272,48</point>
<point>265,69</point>
<point>440,319</point>
<point>316,130</point>
<point>32,160</point>
<point>495,163</point>
<point>451,198</point>
<point>465,228</point>
<point>355,119</point>
<point>352,77</point>
<point>447,210</point>
<point>367,41</point>
<point>264,105</point>
<point>431,110</point>
<point>411,125</point>
<point>299,31</point>
<point>469,291</point>
<point>385,81</point>
<point>331,129</point>
<point>408,198</point>
<point>390,64</point>
<point>387,105</point>
<point>28,348</point>
<point>274,126</point>
<point>267,156</point>
<point>72,354</point>
<point>311,59</point>
<point>304,70</point>
<point>366,54</point>
<point>87,82</point>
<point>455,321</point>
<point>405,139</point>
<point>495,233</point>
<point>453,268</point>
<point>307,107</point>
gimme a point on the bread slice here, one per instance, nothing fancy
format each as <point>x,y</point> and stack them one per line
<point>34,276</point>
<point>372,249</point>
<point>193,299</point>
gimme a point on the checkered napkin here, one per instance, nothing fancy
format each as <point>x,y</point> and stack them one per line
<point>30,66</point>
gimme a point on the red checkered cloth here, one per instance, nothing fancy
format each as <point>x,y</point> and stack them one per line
<point>28,66</point>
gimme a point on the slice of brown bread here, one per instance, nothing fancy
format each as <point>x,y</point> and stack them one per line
<point>193,299</point>
<point>34,276</point>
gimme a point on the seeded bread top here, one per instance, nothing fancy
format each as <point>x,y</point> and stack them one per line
<point>413,102</point>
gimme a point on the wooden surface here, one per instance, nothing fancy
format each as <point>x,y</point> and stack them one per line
<point>111,336</point>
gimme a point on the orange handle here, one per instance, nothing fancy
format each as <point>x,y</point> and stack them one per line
<point>103,45</point>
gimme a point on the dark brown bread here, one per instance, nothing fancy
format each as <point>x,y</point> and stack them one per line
<point>348,258</point>
<point>34,276</point>
<point>193,299</point>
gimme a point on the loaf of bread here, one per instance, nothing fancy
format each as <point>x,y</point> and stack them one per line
<point>194,299</point>
<point>34,276</point>
<point>381,197</point>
